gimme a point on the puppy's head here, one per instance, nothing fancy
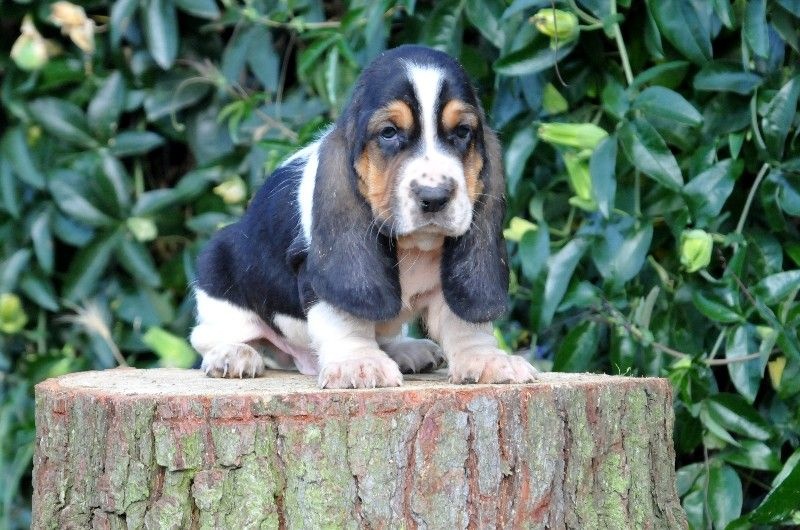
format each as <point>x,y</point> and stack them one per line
<point>418,143</point>
<point>412,158</point>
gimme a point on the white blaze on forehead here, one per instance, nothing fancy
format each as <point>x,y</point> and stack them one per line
<point>427,82</point>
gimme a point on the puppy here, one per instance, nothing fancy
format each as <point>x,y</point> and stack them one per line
<point>394,212</point>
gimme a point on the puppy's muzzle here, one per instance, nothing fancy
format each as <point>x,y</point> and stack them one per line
<point>432,199</point>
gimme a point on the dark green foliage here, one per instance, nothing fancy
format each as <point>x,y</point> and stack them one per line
<point>118,163</point>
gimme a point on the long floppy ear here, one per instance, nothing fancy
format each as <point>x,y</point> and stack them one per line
<point>350,264</point>
<point>475,265</point>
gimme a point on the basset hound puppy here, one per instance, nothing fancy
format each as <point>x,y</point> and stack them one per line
<point>393,213</point>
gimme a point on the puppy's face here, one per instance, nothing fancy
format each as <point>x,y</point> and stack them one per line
<point>420,154</point>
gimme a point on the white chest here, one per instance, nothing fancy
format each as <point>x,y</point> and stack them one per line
<point>419,276</point>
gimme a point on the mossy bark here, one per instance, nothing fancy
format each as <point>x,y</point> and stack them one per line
<point>173,449</point>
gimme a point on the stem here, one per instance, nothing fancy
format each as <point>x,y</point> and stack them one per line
<point>742,218</point>
<point>637,194</point>
<point>623,52</point>
<point>734,360</point>
<point>754,122</point>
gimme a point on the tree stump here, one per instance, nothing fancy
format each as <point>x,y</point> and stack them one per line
<point>170,448</point>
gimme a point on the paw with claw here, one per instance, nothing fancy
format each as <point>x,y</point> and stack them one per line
<point>233,360</point>
<point>491,367</point>
<point>362,372</point>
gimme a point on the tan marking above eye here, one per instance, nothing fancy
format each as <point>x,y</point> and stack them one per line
<point>397,112</point>
<point>457,112</point>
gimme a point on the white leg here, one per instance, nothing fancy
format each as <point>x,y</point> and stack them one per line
<point>349,355</point>
<point>221,336</point>
<point>471,349</point>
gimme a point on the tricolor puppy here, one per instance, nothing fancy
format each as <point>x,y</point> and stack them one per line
<point>395,212</point>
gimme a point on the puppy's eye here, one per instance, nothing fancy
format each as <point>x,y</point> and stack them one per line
<point>388,132</point>
<point>463,131</point>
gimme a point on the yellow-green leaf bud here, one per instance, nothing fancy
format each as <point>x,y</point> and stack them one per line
<point>696,247</point>
<point>29,51</point>
<point>517,228</point>
<point>557,23</point>
<point>233,190</point>
<point>143,228</point>
<point>579,177</point>
<point>12,314</point>
<point>579,135</point>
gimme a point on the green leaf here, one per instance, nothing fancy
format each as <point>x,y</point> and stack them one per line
<point>714,309</point>
<point>134,257</point>
<point>199,8</point>
<point>88,265</point>
<point>63,120</point>
<point>660,73</point>
<point>71,202</point>
<point>775,287</point>
<point>560,267</point>
<point>781,502</point>
<point>602,166</point>
<point>619,256</point>
<point>160,24</point>
<point>680,24</point>
<point>40,290</point>
<point>485,16</point>
<point>15,149</point>
<point>531,59</point>
<point>745,376</point>
<point>43,240</point>
<point>665,103</point>
<point>724,495</point>
<point>753,455</point>
<point>733,413</point>
<point>754,27</point>
<point>171,96</point>
<point>724,11</point>
<point>647,151</point>
<point>694,504</point>
<point>725,76</point>
<point>155,201</point>
<point>116,175</point>
<point>122,12</point>
<point>778,117</point>
<point>792,6</point>
<point>263,60</point>
<point>706,193</point>
<point>9,189</point>
<point>444,27</point>
<point>686,476</point>
<point>107,105</point>
<point>534,250</point>
<point>128,143</point>
<point>578,348</point>
<point>12,267</point>
<point>517,152</point>
<point>172,350</point>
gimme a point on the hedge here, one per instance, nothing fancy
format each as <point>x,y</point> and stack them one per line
<point>653,168</point>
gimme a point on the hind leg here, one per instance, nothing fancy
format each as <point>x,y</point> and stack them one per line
<point>224,336</point>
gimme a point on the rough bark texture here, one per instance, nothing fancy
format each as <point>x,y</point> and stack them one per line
<point>170,448</point>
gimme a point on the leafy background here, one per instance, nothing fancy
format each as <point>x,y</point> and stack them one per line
<point>119,159</point>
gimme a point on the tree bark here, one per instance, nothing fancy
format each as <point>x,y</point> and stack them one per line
<point>171,448</point>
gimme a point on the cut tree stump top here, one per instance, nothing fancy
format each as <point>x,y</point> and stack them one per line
<point>170,448</point>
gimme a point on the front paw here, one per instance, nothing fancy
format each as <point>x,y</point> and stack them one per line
<point>494,367</point>
<point>233,360</point>
<point>364,372</point>
<point>415,355</point>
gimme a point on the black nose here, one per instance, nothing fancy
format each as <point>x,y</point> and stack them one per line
<point>433,198</point>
